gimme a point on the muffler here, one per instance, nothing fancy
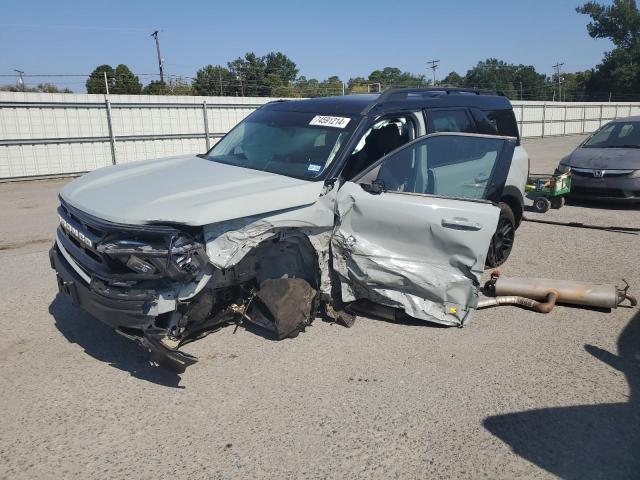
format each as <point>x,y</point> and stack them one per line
<point>541,294</point>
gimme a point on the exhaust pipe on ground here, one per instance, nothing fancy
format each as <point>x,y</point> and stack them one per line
<point>541,294</point>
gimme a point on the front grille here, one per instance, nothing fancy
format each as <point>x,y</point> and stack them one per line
<point>603,192</point>
<point>588,172</point>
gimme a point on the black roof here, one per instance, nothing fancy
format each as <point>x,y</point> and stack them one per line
<point>396,100</point>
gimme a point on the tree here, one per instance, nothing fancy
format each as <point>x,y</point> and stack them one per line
<point>250,74</point>
<point>155,87</point>
<point>176,86</point>
<point>357,85</point>
<point>512,80</point>
<point>619,22</point>
<point>452,80</point>
<point>331,86</point>
<point>619,73</point>
<point>528,83</point>
<point>277,64</point>
<point>125,81</point>
<point>95,83</point>
<point>40,88</point>
<point>394,77</point>
<point>215,80</point>
<point>121,80</point>
<point>307,87</point>
<point>494,74</point>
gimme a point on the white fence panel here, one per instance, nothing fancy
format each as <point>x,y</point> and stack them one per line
<point>52,134</point>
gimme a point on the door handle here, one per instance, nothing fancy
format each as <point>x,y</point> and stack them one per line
<point>460,224</point>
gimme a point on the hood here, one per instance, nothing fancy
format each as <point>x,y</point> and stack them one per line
<point>605,158</point>
<point>188,190</point>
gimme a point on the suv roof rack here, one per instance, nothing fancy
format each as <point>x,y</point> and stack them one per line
<point>400,94</point>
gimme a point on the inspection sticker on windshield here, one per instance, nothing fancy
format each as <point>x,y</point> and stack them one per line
<point>314,167</point>
<point>327,121</point>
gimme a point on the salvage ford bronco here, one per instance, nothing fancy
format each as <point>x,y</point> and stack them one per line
<point>387,203</point>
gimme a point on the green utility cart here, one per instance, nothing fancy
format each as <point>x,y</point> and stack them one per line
<point>548,191</point>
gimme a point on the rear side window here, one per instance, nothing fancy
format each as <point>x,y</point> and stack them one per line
<point>449,121</point>
<point>504,121</point>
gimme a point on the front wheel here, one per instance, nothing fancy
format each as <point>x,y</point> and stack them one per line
<point>502,241</point>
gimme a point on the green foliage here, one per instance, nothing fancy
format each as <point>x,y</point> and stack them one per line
<point>619,22</point>
<point>618,76</point>
<point>452,80</point>
<point>121,80</point>
<point>95,83</point>
<point>394,77</point>
<point>40,88</point>
<point>125,82</point>
<point>214,80</point>
<point>506,78</point>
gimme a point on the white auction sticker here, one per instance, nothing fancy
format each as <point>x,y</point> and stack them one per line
<point>327,121</point>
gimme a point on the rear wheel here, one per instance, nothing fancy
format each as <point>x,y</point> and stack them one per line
<point>541,204</point>
<point>502,241</point>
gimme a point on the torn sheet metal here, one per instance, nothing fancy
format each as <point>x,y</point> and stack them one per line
<point>229,242</point>
<point>431,272</point>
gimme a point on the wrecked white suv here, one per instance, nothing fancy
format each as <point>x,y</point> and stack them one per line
<point>312,207</point>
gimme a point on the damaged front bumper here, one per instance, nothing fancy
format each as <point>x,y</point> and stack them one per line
<point>115,312</point>
<point>129,317</point>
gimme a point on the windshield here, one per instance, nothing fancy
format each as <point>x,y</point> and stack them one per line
<point>295,144</point>
<point>616,135</point>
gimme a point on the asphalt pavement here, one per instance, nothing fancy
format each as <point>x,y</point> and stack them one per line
<point>514,394</point>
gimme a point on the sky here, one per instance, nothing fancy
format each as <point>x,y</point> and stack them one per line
<point>324,38</point>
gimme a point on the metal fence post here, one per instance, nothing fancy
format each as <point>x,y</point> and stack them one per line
<point>584,116</point>
<point>616,112</point>
<point>564,123</point>
<point>544,116</point>
<point>112,137</point>
<point>600,122</point>
<point>206,124</point>
<point>521,118</point>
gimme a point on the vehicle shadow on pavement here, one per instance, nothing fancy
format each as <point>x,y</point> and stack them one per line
<point>104,344</point>
<point>602,205</point>
<point>584,441</point>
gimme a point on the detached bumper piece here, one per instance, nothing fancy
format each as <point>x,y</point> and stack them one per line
<point>160,353</point>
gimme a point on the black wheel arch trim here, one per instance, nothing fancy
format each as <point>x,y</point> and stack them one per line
<point>514,198</point>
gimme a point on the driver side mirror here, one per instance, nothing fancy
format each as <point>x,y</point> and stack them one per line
<point>376,187</point>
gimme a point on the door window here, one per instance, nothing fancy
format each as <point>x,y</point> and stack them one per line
<point>384,136</point>
<point>450,165</point>
<point>449,121</point>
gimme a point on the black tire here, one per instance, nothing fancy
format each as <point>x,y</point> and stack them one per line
<point>557,202</point>
<point>503,238</point>
<point>541,204</point>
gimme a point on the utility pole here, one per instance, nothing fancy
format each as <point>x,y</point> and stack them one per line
<point>558,68</point>
<point>433,65</point>
<point>160,62</point>
<point>21,79</point>
<point>520,91</point>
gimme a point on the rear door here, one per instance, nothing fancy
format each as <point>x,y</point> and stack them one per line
<point>412,231</point>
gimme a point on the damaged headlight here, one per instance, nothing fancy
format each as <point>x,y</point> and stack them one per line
<point>178,257</point>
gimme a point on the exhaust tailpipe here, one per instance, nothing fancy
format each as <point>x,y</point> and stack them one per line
<point>523,291</point>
